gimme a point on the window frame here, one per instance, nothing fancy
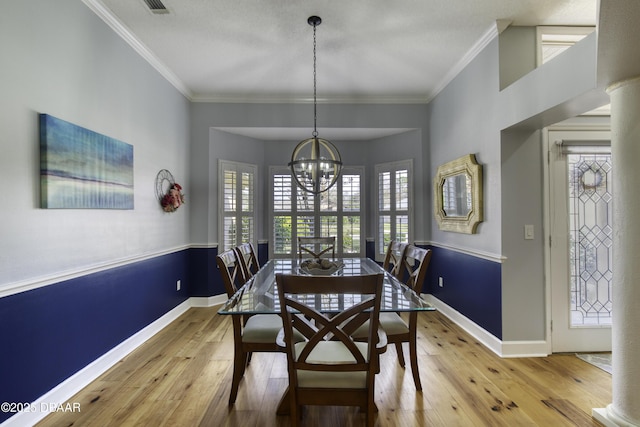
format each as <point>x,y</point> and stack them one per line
<point>560,36</point>
<point>295,213</point>
<point>239,168</point>
<point>393,167</point>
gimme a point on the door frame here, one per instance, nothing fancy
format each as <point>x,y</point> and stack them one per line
<point>546,205</point>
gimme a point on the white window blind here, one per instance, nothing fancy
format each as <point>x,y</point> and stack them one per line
<point>394,204</point>
<point>336,212</point>
<point>237,190</point>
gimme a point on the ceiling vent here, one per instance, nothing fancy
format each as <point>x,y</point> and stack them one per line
<point>156,6</point>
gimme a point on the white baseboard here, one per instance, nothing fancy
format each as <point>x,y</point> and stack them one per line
<point>525,349</point>
<point>499,347</point>
<point>208,301</point>
<point>72,385</point>
<point>608,417</point>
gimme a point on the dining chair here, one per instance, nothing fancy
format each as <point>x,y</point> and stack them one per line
<point>330,367</point>
<point>256,333</point>
<point>316,246</point>
<point>393,257</point>
<point>413,265</point>
<point>248,260</point>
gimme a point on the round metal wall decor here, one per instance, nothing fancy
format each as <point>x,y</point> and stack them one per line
<point>168,191</point>
<point>164,182</point>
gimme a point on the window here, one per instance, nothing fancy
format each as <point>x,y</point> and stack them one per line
<point>336,212</point>
<point>237,195</point>
<point>552,41</point>
<point>394,204</point>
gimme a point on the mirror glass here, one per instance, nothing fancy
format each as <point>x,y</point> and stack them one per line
<point>456,195</point>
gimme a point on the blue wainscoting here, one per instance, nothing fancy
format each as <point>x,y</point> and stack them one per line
<point>263,252</point>
<point>472,286</point>
<point>49,333</point>
<point>205,278</point>
<point>370,249</point>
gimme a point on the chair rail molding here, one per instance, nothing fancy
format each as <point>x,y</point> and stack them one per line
<point>469,251</point>
<point>53,278</point>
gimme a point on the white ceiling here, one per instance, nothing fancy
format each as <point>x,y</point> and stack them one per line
<point>376,51</point>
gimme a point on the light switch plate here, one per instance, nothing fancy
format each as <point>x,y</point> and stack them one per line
<point>528,232</point>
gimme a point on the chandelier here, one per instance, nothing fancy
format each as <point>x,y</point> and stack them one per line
<point>315,162</point>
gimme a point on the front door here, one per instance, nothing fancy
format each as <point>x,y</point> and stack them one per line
<point>581,233</point>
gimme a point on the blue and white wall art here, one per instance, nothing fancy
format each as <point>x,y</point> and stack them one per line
<point>82,169</point>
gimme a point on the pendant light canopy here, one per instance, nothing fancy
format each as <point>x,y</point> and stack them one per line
<point>315,162</point>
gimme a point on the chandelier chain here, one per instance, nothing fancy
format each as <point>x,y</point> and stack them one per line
<point>315,115</point>
<point>315,163</point>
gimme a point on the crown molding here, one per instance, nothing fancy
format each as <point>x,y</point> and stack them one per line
<point>288,99</point>
<point>494,30</point>
<point>125,33</point>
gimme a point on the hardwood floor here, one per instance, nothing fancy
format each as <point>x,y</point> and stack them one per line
<point>182,377</point>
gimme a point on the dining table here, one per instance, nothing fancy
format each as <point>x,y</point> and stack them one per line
<point>259,294</point>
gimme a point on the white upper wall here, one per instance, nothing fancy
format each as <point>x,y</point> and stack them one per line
<point>463,120</point>
<point>59,58</point>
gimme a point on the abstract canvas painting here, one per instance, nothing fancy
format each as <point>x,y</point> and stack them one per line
<point>82,169</point>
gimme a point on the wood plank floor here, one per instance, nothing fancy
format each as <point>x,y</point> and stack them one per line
<point>182,377</point>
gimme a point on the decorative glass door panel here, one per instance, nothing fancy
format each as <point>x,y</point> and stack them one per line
<point>580,200</point>
<point>590,238</point>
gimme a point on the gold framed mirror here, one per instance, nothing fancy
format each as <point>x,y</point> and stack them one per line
<point>457,195</point>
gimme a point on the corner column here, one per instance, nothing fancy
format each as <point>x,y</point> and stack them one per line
<point>625,154</point>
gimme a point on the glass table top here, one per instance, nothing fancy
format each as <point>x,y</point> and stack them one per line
<point>260,296</point>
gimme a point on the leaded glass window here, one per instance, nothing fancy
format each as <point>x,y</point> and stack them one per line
<point>590,238</point>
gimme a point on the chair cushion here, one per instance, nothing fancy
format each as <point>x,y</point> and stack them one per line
<point>331,352</point>
<point>390,322</point>
<point>262,328</point>
<point>393,324</point>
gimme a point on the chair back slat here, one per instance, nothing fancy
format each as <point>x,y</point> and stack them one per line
<point>414,265</point>
<point>393,257</point>
<point>248,260</point>
<point>320,327</point>
<point>316,246</point>
<point>230,270</point>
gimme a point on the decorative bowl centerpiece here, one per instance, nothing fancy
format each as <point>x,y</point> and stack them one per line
<point>320,267</point>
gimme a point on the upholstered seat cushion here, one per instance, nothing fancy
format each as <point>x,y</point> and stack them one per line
<point>393,324</point>
<point>390,322</point>
<point>262,328</point>
<point>332,353</point>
